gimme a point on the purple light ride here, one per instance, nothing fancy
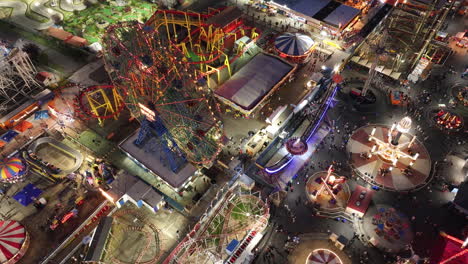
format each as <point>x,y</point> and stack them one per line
<point>290,157</point>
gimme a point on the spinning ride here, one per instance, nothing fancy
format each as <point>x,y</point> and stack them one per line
<point>323,256</point>
<point>328,190</point>
<point>296,146</point>
<point>14,241</point>
<point>294,46</point>
<point>13,170</point>
<point>448,121</point>
<point>164,93</point>
<point>389,157</point>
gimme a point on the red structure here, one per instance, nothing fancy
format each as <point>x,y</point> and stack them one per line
<point>449,250</point>
<point>359,201</point>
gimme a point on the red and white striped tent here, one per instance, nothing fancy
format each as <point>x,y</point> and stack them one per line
<point>323,256</point>
<point>13,240</point>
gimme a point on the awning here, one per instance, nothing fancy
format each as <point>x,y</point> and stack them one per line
<point>23,126</point>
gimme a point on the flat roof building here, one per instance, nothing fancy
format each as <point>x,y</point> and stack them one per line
<point>254,83</point>
<point>152,160</point>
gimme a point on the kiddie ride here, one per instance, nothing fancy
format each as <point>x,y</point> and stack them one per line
<point>72,212</point>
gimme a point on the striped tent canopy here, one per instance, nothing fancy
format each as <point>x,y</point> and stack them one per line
<point>294,44</point>
<point>323,256</point>
<point>12,239</point>
<point>12,169</point>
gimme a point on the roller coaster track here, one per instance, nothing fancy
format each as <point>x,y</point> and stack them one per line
<point>148,236</point>
<point>191,19</point>
<point>198,243</point>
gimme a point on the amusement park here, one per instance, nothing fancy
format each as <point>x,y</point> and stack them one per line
<point>240,131</point>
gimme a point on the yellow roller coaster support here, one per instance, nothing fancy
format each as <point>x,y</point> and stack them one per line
<point>103,102</point>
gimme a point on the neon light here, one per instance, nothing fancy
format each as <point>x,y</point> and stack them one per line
<point>281,167</point>
<point>323,114</point>
<point>330,99</point>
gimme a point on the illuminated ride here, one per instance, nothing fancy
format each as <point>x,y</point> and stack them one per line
<point>100,102</point>
<point>64,106</point>
<point>323,256</point>
<point>448,121</point>
<point>236,217</point>
<point>164,93</point>
<point>13,170</point>
<point>14,242</point>
<point>294,46</point>
<point>210,41</point>
<point>328,190</point>
<point>326,91</point>
<point>390,157</point>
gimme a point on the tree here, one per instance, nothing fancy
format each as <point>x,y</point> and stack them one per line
<point>32,50</point>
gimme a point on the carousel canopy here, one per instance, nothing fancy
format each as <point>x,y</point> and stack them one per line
<point>294,44</point>
<point>12,237</point>
<point>11,168</point>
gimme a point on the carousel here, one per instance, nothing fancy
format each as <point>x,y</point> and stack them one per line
<point>295,47</point>
<point>13,170</point>
<point>388,228</point>
<point>323,256</point>
<point>448,121</point>
<point>14,241</point>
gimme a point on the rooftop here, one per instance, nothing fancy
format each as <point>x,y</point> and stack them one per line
<point>152,160</point>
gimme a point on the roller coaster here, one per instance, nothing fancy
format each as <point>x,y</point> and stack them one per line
<point>234,215</point>
<point>206,39</point>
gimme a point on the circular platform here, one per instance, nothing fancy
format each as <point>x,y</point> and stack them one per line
<point>387,228</point>
<point>446,121</point>
<point>401,178</point>
<point>326,200</point>
<point>14,242</point>
<point>323,256</point>
<point>296,146</point>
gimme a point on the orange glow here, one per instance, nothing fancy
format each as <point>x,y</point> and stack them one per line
<point>107,196</point>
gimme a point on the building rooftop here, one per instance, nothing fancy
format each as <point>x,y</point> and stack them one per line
<point>251,84</point>
<point>225,17</point>
<point>306,7</point>
<point>152,160</point>
<point>141,191</point>
<point>341,16</point>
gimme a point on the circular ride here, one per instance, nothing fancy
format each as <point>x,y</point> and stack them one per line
<point>296,146</point>
<point>14,241</point>
<point>158,87</point>
<point>388,158</point>
<point>100,102</point>
<point>294,46</point>
<point>13,170</point>
<point>446,120</point>
<point>64,104</point>
<point>323,256</point>
<point>387,228</point>
<point>328,191</point>
<point>239,217</point>
<point>459,92</point>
